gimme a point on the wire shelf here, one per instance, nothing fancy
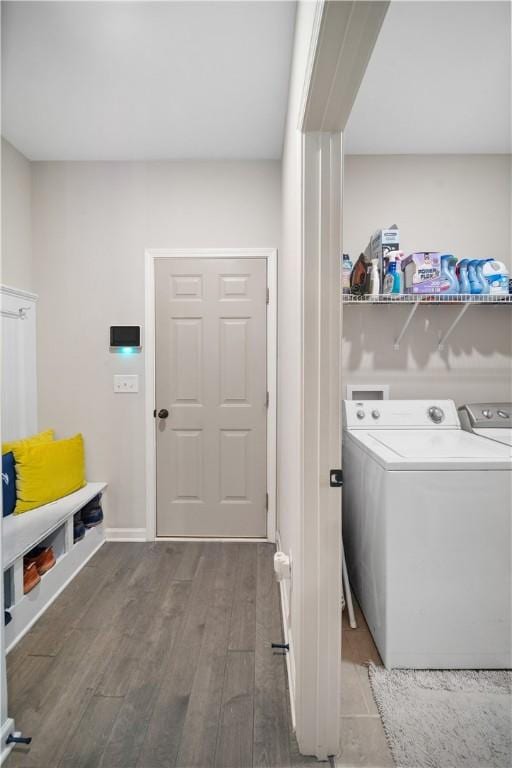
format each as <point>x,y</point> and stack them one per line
<point>429,299</point>
<point>414,300</point>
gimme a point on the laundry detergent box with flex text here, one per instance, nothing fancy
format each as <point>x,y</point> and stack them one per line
<point>422,272</point>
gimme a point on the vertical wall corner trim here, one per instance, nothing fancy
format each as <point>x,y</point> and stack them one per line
<point>287,635</point>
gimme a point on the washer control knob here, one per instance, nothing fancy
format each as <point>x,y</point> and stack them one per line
<point>487,413</point>
<point>436,414</point>
<point>360,414</point>
<point>375,413</point>
<point>503,414</point>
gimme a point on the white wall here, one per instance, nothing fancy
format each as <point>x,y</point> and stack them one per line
<point>16,219</point>
<point>457,203</point>
<point>91,224</point>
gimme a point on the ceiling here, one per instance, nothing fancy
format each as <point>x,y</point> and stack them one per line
<point>438,81</point>
<point>146,80</point>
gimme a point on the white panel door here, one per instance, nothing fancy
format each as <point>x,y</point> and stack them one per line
<point>211,396</point>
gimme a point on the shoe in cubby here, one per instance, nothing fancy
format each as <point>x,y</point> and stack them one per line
<point>92,516</point>
<point>42,557</point>
<point>78,528</point>
<point>31,577</point>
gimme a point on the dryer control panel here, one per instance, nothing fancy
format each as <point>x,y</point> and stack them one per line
<point>486,416</point>
<point>400,414</point>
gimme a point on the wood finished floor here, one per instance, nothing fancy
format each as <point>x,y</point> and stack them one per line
<point>157,655</point>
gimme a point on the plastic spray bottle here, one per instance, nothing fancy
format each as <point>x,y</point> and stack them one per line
<point>392,278</point>
<point>374,280</point>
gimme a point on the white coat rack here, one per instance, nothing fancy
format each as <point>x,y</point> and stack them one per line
<point>20,314</point>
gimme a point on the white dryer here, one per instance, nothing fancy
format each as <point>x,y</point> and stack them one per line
<point>427,534</point>
<point>490,420</point>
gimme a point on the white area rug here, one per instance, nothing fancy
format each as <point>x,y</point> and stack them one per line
<point>456,719</point>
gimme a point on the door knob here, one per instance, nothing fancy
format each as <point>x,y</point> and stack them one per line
<point>163,413</point>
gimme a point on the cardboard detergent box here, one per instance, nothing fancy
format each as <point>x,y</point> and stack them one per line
<point>422,272</point>
<point>382,242</point>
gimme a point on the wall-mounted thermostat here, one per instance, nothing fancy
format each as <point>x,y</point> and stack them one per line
<point>125,338</point>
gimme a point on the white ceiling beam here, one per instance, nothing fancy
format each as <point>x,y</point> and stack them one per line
<point>347,35</point>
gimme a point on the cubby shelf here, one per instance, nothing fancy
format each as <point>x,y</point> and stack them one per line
<point>462,301</point>
<point>51,525</point>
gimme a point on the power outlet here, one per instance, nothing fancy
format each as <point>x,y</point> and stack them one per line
<point>127,384</point>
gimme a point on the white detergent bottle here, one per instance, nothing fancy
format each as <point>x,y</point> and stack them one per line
<point>374,284</point>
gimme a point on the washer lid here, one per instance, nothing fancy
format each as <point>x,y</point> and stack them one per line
<point>500,435</point>
<point>433,449</point>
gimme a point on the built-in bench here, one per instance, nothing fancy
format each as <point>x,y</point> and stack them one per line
<point>50,525</point>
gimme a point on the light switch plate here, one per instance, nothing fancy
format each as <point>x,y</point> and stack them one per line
<point>127,384</point>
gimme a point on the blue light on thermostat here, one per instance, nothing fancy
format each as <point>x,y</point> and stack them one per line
<point>125,339</point>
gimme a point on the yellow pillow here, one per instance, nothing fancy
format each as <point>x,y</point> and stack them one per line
<point>47,471</point>
<point>41,437</point>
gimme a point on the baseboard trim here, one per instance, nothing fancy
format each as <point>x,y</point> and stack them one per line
<point>139,534</point>
<point>126,534</point>
<point>290,658</point>
<point>211,539</point>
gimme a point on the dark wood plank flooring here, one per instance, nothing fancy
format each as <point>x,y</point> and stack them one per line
<point>158,655</point>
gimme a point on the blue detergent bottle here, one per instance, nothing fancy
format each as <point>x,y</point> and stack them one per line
<point>452,264</point>
<point>480,275</point>
<point>464,286</point>
<point>474,282</point>
<point>449,286</point>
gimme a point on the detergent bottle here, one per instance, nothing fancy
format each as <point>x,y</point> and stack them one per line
<point>448,282</point>
<point>496,274</point>
<point>452,265</point>
<point>480,275</point>
<point>464,286</point>
<point>474,282</point>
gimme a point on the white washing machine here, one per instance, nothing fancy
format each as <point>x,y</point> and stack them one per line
<point>490,420</point>
<point>427,534</point>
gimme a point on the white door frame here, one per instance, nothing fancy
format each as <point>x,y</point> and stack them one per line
<point>343,38</point>
<point>318,655</point>
<point>270,254</point>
